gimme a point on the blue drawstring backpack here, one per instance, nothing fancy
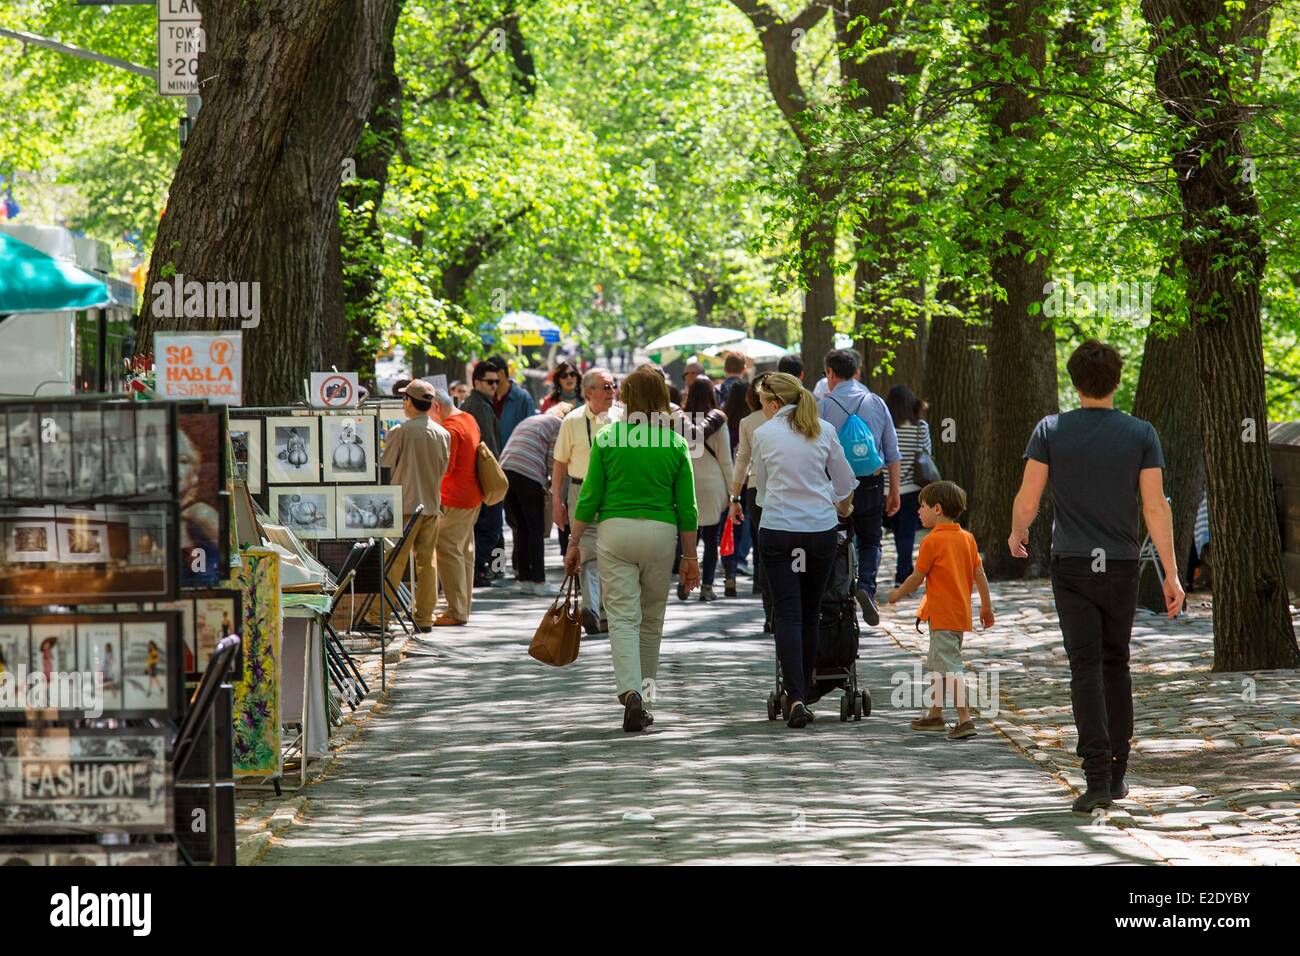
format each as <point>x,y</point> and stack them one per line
<point>858,442</point>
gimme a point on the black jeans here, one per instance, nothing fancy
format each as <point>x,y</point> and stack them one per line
<point>526,513</point>
<point>711,535</point>
<point>798,565</point>
<point>868,515</point>
<point>1096,611</point>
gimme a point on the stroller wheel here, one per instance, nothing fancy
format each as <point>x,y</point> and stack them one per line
<point>785,706</point>
<point>844,708</point>
<point>866,704</point>
<point>772,705</point>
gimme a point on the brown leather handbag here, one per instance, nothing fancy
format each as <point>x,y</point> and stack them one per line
<point>557,638</point>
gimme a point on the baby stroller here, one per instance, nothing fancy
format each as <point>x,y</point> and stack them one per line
<point>837,644</point>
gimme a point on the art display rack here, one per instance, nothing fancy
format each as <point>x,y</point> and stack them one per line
<point>76,788</point>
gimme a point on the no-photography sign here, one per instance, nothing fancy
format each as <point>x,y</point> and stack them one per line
<point>334,389</point>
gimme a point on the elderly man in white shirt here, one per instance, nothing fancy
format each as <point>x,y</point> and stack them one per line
<point>803,480</point>
<point>571,460</point>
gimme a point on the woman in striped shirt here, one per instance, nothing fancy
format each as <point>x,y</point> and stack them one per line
<point>913,438</point>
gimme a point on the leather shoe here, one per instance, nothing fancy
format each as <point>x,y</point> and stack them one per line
<point>1097,795</point>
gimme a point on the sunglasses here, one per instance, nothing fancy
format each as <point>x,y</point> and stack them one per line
<point>569,375</point>
<point>490,381</point>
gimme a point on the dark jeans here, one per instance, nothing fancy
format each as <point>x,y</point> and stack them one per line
<point>904,525</point>
<point>744,532</point>
<point>797,581</point>
<point>526,513</point>
<point>1096,610</point>
<point>868,515</point>
<point>487,531</point>
<point>711,535</point>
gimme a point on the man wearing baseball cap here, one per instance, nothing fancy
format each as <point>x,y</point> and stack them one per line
<point>417,452</point>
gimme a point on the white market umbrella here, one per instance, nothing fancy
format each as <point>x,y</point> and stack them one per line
<point>756,350</point>
<point>693,338</point>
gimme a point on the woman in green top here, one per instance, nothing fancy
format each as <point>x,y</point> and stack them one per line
<point>641,491</point>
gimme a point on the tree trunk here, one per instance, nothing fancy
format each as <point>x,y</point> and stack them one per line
<point>1021,383</point>
<point>1224,258</point>
<point>884,333</point>
<point>362,313</point>
<point>954,387</point>
<point>781,41</point>
<point>1164,399</point>
<point>286,90</point>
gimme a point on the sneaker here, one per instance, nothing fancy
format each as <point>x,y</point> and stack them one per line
<point>963,730</point>
<point>868,605</point>
<point>708,594</point>
<point>543,589</point>
<point>1097,795</point>
<point>931,724</point>
<point>743,568</point>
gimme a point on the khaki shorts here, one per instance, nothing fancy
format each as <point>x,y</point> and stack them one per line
<point>945,652</point>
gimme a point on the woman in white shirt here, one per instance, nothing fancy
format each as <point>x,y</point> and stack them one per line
<point>704,427</point>
<point>801,474</point>
<point>913,439</point>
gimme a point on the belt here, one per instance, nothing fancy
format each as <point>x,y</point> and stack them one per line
<point>574,481</point>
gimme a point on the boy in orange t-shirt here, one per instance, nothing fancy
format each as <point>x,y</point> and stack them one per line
<point>949,564</point>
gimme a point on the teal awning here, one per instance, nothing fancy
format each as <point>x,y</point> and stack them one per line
<point>31,281</point>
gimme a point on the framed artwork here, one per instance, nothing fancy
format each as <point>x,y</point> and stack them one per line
<point>83,542</point>
<point>87,453</point>
<point>348,444</point>
<point>216,616</point>
<point>118,427</point>
<point>52,653</point>
<point>246,443</point>
<point>201,490</point>
<point>100,652</point>
<point>151,673</point>
<point>147,542</point>
<point>152,460</point>
<point>372,510</point>
<point>13,648</point>
<point>23,441</point>
<point>185,608</point>
<point>293,446</point>
<point>128,765</point>
<point>307,511</point>
<point>116,552</point>
<point>257,695</point>
<point>27,541</point>
<point>79,511</point>
<point>56,454</point>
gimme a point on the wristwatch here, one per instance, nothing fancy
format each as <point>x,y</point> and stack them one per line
<point>737,499</point>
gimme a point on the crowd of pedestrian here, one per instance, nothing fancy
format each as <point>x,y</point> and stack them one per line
<point>645,482</point>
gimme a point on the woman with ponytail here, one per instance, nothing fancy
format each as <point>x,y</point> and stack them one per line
<point>801,475</point>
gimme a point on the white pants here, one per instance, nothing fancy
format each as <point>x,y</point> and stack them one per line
<point>636,565</point>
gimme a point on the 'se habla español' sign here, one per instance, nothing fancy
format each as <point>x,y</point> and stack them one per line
<point>200,365</point>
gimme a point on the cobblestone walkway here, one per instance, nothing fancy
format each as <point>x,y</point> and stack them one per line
<point>1216,761</point>
<point>482,755</point>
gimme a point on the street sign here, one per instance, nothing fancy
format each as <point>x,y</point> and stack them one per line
<point>180,40</point>
<point>200,365</point>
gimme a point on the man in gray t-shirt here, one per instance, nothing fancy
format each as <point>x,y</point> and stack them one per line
<point>1098,463</point>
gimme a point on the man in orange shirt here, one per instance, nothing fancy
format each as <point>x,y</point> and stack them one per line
<point>949,564</point>
<point>461,499</point>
